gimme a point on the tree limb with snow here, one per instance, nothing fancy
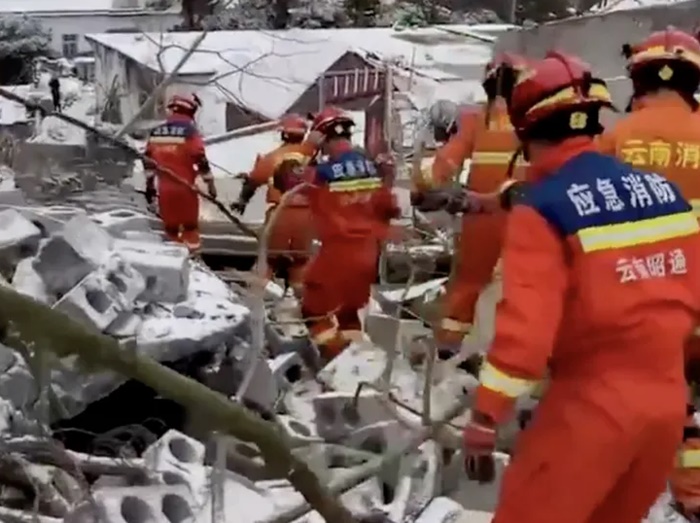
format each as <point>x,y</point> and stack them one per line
<point>26,322</point>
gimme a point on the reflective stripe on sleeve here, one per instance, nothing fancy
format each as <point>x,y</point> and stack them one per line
<point>492,378</point>
<point>452,325</point>
<point>688,459</point>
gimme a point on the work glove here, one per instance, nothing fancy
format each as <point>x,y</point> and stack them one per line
<point>150,195</point>
<point>479,441</point>
<point>238,206</point>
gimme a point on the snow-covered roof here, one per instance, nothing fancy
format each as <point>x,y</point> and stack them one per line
<point>56,7</point>
<point>267,71</point>
<point>611,6</point>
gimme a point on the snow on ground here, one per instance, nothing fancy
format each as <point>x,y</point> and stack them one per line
<point>610,6</point>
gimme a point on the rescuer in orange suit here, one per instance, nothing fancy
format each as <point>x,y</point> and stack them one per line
<point>662,134</point>
<point>351,199</point>
<point>601,288</point>
<point>175,148</point>
<point>290,238</point>
<point>487,138</point>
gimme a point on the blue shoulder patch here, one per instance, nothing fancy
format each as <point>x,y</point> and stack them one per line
<point>351,165</point>
<point>176,128</point>
<point>593,190</point>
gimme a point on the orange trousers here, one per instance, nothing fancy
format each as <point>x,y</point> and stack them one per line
<point>592,458</point>
<point>337,285</point>
<point>289,243</point>
<point>179,209</point>
<point>480,245</point>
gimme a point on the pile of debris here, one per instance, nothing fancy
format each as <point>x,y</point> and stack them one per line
<point>359,423</point>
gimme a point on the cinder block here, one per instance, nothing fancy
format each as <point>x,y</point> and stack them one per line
<point>164,266</point>
<point>51,219</point>
<point>103,295</point>
<point>287,369</point>
<point>446,510</point>
<point>383,329</point>
<point>379,437</point>
<point>338,415</point>
<point>19,237</point>
<point>26,281</point>
<point>119,221</point>
<point>179,460</point>
<point>152,504</point>
<point>69,256</point>
<point>298,432</point>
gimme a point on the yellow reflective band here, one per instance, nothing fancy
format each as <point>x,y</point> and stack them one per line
<point>495,158</point>
<point>695,204</point>
<point>688,459</point>
<point>166,139</point>
<point>661,51</point>
<point>364,184</point>
<point>325,336</point>
<point>455,326</point>
<point>642,232</point>
<point>497,381</point>
<point>597,92</point>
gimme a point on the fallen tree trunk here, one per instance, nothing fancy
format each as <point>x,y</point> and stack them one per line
<point>25,322</point>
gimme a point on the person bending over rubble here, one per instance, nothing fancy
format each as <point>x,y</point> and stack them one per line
<point>290,239</point>
<point>352,204</point>
<point>175,149</point>
<point>487,138</point>
<point>601,286</point>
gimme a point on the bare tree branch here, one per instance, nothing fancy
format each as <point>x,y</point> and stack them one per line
<point>60,335</point>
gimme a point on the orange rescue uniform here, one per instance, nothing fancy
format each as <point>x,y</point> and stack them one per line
<point>601,287</point>
<point>352,205</point>
<point>490,146</point>
<point>292,232</point>
<point>662,134</point>
<point>177,146</point>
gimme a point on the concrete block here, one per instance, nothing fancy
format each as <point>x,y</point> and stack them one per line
<point>19,237</point>
<point>126,325</point>
<point>152,504</point>
<point>287,368</point>
<point>119,221</point>
<point>445,510</point>
<point>26,281</point>
<point>298,432</point>
<point>179,460</point>
<point>203,282</point>
<point>164,266</point>
<point>51,219</point>
<point>338,415</point>
<point>383,330</point>
<point>419,481</point>
<point>379,437</point>
<point>68,257</point>
<point>103,295</point>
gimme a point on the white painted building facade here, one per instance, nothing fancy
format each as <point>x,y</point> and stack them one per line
<point>70,20</point>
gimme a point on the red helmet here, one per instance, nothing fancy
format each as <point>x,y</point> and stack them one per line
<point>293,124</point>
<point>332,120</point>
<point>559,83</point>
<point>670,45</point>
<point>185,104</point>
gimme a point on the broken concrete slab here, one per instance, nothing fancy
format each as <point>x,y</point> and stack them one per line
<point>51,219</point>
<point>385,330</point>
<point>26,281</point>
<point>339,414</point>
<point>69,256</point>
<point>19,237</point>
<point>164,266</point>
<point>119,221</point>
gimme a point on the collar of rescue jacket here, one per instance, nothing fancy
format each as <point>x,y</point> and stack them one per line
<point>179,117</point>
<point>552,159</point>
<point>661,100</point>
<point>339,146</point>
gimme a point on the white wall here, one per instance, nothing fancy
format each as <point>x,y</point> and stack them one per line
<point>83,24</point>
<point>112,68</point>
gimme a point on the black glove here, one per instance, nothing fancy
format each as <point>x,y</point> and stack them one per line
<point>150,194</point>
<point>239,206</point>
<point>513,194</point>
